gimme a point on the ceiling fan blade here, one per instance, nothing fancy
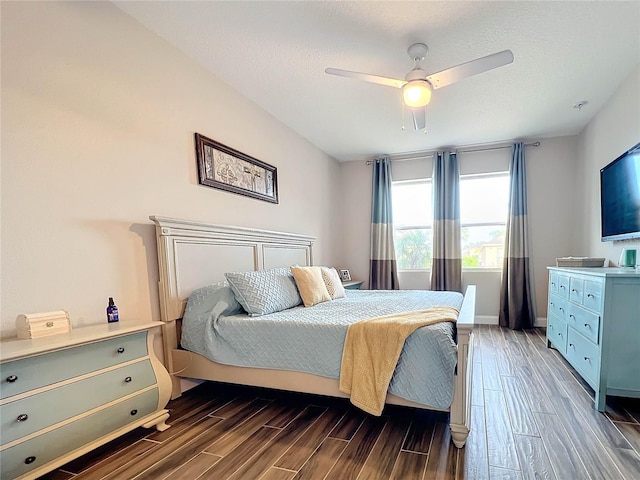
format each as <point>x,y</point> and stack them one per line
<point>474,67</point>
<point>419,118</point>
<point>389,82</point>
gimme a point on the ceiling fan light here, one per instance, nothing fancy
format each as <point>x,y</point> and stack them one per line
<point>416,93</point>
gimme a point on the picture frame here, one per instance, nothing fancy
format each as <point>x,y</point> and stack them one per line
<point>345,276</point>
<point>225,168</point>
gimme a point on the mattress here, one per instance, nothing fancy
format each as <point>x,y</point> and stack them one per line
<point>311,339</point>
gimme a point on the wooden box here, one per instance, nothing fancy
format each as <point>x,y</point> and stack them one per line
<point>35,325</point>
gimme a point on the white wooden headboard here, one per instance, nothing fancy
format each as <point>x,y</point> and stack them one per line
<point>193,254</point>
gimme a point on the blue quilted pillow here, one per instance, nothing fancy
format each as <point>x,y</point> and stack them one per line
<point>264,291</point>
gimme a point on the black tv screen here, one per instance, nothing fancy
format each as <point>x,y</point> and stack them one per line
<point>620,197</point>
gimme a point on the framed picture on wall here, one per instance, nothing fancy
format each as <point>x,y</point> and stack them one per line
<point>227,169</point>
<point>345,276</point>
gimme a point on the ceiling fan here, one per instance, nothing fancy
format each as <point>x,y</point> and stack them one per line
<point>418,84</point>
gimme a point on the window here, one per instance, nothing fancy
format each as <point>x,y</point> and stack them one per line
<point>484,207</point>
<point>412,222</point>
<point>484,203</point>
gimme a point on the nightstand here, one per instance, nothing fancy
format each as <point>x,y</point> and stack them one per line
<point>352,285</point>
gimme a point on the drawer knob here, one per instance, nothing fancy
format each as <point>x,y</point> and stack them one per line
<point>12,378</point>
<point>571,344</point>
<point>134,412</point>
<point>127,380</point>
<point>573,290</point>
<point>587,325</point>
<point>559,334</point>
<point>120,350</point>
<point>23,417</point>
<point>572,316</point>
<point>561,309</point>
<point>589,295</point>
<point>553,283</point>
<point>586,359</point>
<point>29,460</point>
<point>561,286</point>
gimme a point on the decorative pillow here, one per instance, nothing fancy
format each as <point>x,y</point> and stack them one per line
<point>311,286</point>
<point>203,300</point>
<point>264,291</point>
<point>204,305</point>
<point>332,282</point>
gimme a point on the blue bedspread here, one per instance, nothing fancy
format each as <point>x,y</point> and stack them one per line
<point>311,339</point>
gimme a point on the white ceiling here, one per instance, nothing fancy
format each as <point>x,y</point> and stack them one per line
<point>275,53</point>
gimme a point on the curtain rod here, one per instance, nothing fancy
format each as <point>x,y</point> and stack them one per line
<point>430,153</point>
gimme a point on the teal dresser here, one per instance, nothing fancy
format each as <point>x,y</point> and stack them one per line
<point>593,320</point>
<point>64,395</point>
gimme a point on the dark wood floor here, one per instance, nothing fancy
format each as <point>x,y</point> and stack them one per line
<point>532,418</point>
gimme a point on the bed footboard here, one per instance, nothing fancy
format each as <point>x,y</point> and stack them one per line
<point>460,419</point>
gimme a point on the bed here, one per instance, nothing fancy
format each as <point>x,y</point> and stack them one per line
<point>193,255</point>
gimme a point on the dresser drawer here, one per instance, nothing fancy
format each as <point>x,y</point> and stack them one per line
<point>36,452</point>
<point>558,306</point>
<point>47,408</point>
<point>553,283</point>
<point>583,355</point>
<point>576,289</point>
<point>563,286</point>
<point>38,371</point>
<point>586,322</point>
<point>557,333</point>
<point>593,295</point>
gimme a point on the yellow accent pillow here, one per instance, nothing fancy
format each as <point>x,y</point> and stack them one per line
<point>310,285</point>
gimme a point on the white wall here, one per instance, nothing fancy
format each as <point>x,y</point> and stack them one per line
<point>551,181</point>
<point>355,182</point>
<point>98,117</point>
<point>614,129</point>
<point>551,184</point>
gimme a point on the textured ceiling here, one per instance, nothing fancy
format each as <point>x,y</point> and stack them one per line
<point>275,53</point>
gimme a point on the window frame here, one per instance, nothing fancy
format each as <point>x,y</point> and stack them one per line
<point>413,226</point>
<point>502,173</point>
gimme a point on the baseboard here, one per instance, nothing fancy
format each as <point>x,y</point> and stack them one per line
<point>493,320</point>
<point>486,319</point>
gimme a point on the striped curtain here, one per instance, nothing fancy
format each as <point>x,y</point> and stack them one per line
<point>383,270</point>
<point>517,303</point>
<point>446,265</point>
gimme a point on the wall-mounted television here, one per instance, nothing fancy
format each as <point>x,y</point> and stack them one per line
<point>620,197</point>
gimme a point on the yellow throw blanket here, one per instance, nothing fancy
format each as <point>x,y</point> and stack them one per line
<point>372,349</point>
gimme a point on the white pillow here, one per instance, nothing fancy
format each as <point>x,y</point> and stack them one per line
<point>332,282</point>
